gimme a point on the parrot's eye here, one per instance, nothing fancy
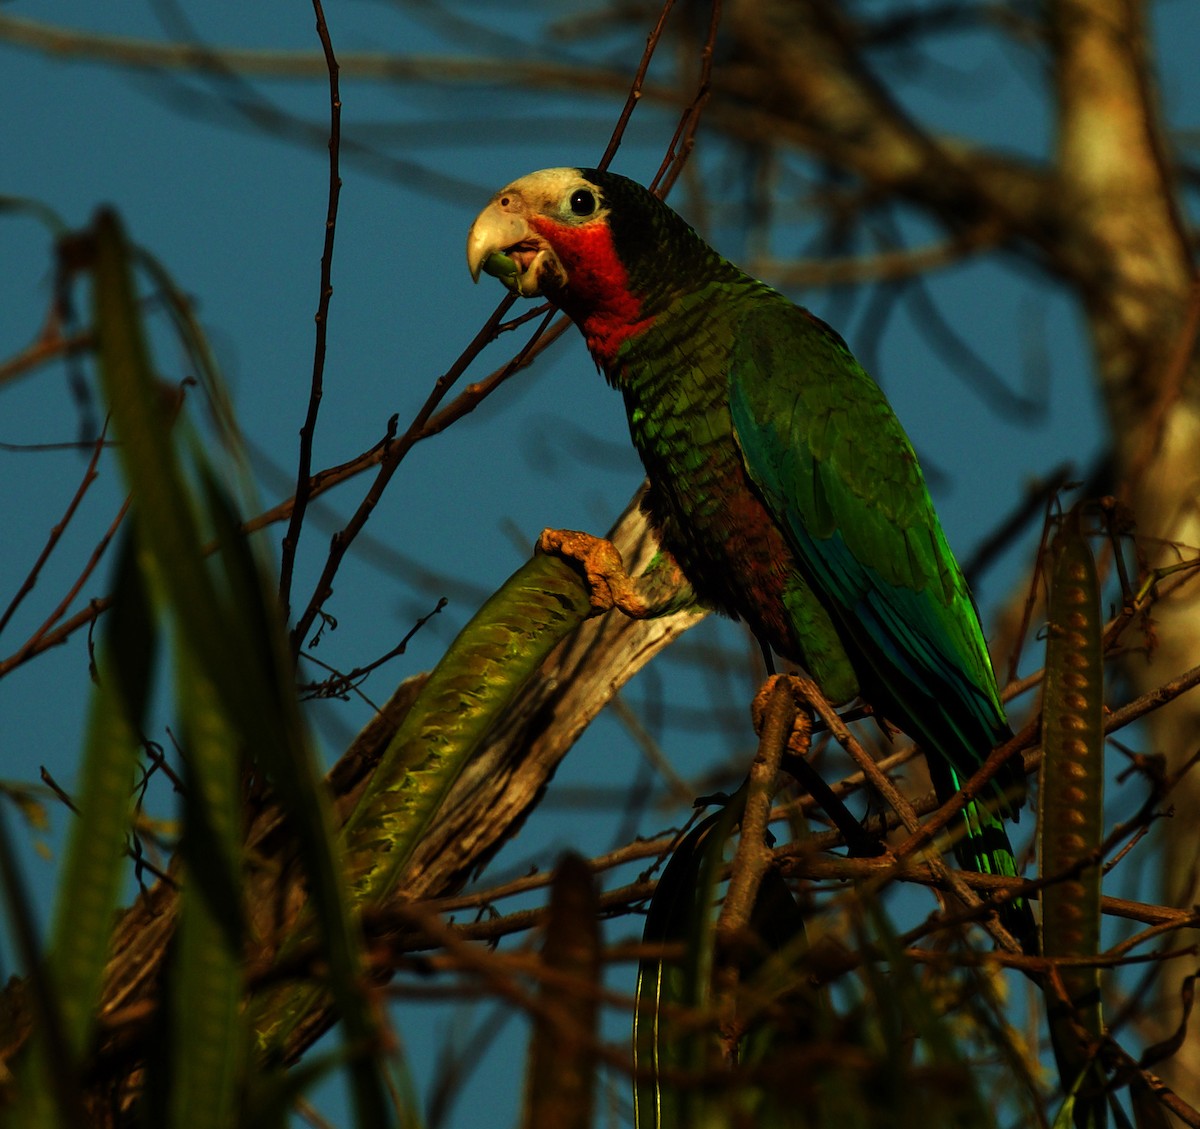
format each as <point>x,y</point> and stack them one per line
<point>583,203</point>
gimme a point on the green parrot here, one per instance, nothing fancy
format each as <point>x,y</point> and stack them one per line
<point>780,481</point>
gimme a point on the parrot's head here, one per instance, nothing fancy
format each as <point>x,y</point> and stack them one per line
<point>528,228</point>
<point>598,245</point>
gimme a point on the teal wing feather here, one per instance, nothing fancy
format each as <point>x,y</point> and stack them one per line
<point>821,443</point>
<point>836,470</point>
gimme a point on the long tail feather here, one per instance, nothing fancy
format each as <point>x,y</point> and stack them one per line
<point>983,846</point>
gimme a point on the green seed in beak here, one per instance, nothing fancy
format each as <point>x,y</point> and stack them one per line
<point>500,266</point>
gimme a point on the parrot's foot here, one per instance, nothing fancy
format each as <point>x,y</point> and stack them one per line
<point>801,735</point>
<point>609,585</point>
<point>860,842</point>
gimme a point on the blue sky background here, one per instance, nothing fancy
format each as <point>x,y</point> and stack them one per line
<point>236,216</point>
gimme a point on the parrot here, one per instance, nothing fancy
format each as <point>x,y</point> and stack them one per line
<point>781,484</point>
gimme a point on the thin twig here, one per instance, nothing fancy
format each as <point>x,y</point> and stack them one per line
<point>1151,700</point>
<point>341,684</point>
<point>684,138</point>
<point>89,476</point>
<point>635,89</point>
<point>970,789</point>
<point>395,450</point>
<point>43,638</point>
<point>901,806</point>
<point>291,539</point>
<point>882,266</point>
<point>49,346</point>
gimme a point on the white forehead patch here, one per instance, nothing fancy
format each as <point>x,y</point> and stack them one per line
<point>547,184</point>
<point>549,192</point>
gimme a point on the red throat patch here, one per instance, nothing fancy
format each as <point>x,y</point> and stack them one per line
<point>597,298</point>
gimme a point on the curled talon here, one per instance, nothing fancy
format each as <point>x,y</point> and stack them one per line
<point>609,585</point>
<point>801,735</point>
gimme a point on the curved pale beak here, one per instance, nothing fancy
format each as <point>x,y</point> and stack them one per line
<point>502,243</point>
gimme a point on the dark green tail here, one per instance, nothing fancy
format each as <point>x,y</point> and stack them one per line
<point>982,845</point>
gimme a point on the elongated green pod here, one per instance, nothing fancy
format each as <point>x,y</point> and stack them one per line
<point>95,858</point>
<point>471,687</point>
<point>92,872</point>
<point>479,677</point>
<point>665,1040</point>
<point>1071,796</point>
<point>209,1044</point>
<point>232,639</point>
<point>283,748</point>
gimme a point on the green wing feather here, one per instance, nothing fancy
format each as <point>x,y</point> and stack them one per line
<point>835,468</point>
